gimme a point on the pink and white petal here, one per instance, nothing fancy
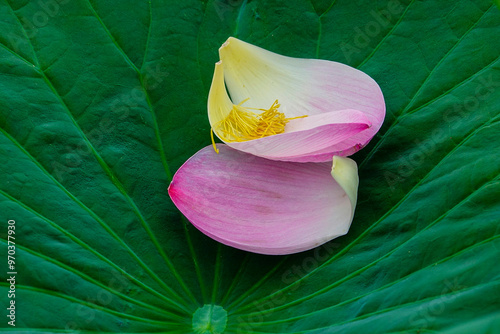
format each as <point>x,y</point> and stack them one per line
<point>343,149</point>
<point>327,154</point>
<point>304,136</point>
<point>265,206</point>
<point>329,133</point>
<point>302,86</point>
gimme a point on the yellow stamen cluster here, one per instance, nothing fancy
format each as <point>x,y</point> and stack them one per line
<point>241,124</point>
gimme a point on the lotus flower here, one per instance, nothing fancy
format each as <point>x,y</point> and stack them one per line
<point>291,109</point>
<point>280,184</point>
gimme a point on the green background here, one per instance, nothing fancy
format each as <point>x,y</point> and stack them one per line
<point>101,101</point>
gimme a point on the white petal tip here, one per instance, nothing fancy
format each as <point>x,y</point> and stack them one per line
<point>345,172</point>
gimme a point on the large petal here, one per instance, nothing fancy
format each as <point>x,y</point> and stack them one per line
<point>303,139</point>
<point>302,86</point>
<point>265,206</point>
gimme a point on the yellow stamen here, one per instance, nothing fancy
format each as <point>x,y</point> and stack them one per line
<point>241,124</point>
<point>213,141</point>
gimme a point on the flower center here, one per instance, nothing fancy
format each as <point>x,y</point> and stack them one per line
<point>241,124</point>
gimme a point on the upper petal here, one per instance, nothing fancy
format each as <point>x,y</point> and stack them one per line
<point>302,86</point>
<point>305,136</point>
<point>265,206</point>
<point>219,105</point>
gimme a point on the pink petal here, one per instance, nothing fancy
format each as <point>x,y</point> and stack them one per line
<point>305,136</point>
<point>264,206</point>
<point>303,87</point>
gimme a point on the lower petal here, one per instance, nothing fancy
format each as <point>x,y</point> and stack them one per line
<point>265,206</point>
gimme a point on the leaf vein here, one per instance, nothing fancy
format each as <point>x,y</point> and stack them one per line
<point>87,247</point>
<point>90,305</point>
<point>93,215</point>
<point>400,117</point>
<point>94,281</point>
<point>37,64</point>
<point>369,229</point>
<point>377,47</point>
<point>373,263</point>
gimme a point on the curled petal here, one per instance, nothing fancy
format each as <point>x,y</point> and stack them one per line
<point>303,87</point>
<point>265,206</point>
<point>307,136</point>
<point>219,103</point>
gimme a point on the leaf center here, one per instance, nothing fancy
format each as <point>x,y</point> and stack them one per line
<point>209,319</point>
